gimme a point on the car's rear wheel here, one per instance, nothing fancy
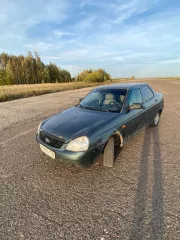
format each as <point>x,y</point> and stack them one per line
<point>108,156</point>
<point>156,120</point>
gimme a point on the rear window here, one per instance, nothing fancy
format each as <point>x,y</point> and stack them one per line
<point>147,93</point>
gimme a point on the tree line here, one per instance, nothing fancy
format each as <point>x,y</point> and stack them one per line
<point>15,70</point>
<point>29,70</point>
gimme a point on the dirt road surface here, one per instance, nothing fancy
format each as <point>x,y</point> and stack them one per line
<point>40,198</point>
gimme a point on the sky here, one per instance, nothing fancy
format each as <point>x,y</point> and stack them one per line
<point>125,37</point>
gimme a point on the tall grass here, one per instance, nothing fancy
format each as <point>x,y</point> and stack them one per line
<point>12,92</point>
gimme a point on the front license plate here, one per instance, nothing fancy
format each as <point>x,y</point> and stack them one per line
<point>47,151</point>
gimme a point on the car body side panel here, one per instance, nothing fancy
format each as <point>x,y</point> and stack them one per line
<point>152,107</point>
<point>134,122</point>
<point>150,110</point>
<point>110,128</point>
<point>160,101</point>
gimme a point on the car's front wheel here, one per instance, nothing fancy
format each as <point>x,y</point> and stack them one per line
<point>108,156</point>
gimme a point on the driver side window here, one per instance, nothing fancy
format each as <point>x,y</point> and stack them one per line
<point>135,97</point>
<point>92,99</point>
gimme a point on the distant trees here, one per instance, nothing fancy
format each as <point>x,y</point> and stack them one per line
<point>29,70</point>
<point>133,78</point>
<point>90,75</point>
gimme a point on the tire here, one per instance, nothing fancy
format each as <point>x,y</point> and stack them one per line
<point>108,156</point>
<point>155,120</point>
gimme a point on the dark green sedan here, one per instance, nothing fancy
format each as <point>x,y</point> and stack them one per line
<point>106,118</point>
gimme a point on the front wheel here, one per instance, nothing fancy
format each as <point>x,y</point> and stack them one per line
<point>108,156</point>
<point>155,120</point>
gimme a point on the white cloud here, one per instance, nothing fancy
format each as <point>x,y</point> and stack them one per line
<point>124,16</point>
<point>119,59</point>
<point>175,60</point>
<point>73,69</point>
<point>116,35</point>
<point>20,15</point>
<point>84,3</point>
<point>61,33</point>
<point>124,5</point>
<point>84,24</point>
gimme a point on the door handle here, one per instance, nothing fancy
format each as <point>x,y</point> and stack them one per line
<point>156,100</point>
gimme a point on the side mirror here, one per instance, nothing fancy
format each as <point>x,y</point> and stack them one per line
<point>136,106</point>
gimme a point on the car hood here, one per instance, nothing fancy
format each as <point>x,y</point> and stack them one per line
<point>76,122</point>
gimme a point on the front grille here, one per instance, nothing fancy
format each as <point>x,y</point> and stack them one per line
<point>51,140</point>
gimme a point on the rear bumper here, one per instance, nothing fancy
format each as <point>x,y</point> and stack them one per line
<point>82,159</point>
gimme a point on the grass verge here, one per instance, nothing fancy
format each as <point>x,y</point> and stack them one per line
<point>12,92</point>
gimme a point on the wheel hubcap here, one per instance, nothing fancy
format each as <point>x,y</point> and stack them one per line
<point>156,119</point>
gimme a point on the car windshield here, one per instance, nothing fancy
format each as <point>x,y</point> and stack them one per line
<point>110,100</point>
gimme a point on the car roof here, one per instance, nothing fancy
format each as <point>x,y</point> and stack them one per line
<point>122,85</point>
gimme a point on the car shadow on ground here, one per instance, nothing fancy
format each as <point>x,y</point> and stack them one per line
<point>151,226</point>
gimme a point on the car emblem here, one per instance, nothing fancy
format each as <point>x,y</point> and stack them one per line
<point>47,140</point>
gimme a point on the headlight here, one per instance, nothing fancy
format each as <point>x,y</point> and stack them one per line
<point>39,128</point>
<point>79,144</point>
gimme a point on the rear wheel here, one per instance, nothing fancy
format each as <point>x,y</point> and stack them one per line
<point>108,156</point>
<point>156,120</point>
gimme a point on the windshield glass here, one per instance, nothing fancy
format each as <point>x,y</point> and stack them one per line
<point>104,100</point>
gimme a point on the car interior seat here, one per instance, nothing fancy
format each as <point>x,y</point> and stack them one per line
<point>122,99</point>
<point>108,98</point>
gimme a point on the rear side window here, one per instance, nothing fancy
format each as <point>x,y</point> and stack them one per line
<point>147,93</point>
<point>135,97</point>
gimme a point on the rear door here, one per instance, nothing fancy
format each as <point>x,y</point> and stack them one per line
<point>134,118</point>
<point>150,104</point>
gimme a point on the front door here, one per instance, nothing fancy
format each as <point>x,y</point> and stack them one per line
<point>134,118</point>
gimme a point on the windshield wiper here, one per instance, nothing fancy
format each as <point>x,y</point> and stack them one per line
<point>81,106</point>
<point>91,108</point>
<point>99,109</point>
<point>114,111</point>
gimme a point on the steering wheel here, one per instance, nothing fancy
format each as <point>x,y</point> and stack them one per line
<point>114,103</point>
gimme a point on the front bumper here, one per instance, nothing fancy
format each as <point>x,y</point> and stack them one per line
<point>82,159</point>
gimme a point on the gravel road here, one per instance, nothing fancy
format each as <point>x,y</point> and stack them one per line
<point>40,198</point>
